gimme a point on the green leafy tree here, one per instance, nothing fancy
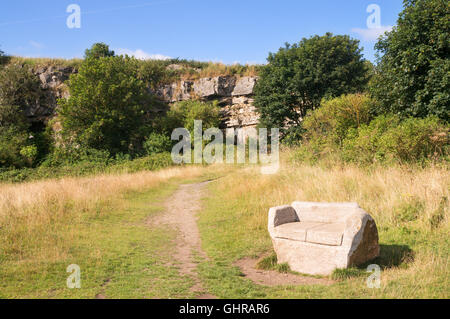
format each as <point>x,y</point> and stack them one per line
<point>413,74</point>
<point>98,50</point>
<point>299,76</point>
<point>108,107</point>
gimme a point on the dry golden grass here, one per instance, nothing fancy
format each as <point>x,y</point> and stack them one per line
<point>214,69</point>
<point>96,222</point>
<point>38,200</point>
<point>409,205</point>
<point>380,190</point>
<point>45,62</point>
<point>32,213</point>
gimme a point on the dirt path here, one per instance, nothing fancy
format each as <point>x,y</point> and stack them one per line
<point>180,213</point>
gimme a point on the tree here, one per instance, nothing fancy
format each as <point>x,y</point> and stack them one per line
<point>98,50</point>
<point>413,73</point>
<point>299,76</point>
<point>108,106</point>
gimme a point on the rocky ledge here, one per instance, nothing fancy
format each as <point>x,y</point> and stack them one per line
<point>235,95</point>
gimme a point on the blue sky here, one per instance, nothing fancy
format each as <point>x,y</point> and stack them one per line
<point>227,31</point>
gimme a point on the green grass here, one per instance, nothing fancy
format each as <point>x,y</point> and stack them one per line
<point>45,62</point>
<point>120,256</point>
<point>86,168</point>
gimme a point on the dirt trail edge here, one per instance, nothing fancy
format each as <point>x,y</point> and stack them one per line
<point>181,214</point>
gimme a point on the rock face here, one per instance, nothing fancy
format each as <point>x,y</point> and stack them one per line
<point>317,238</point>
<point>233,93</point>
<point>52,81</point>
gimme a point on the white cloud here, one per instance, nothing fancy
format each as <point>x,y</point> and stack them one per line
<point>142,55</point>
<point>372,34</point>
<point>36,45</point>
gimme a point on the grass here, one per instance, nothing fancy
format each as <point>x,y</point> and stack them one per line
<point>271,263</point>
<point>87,167</point>
<point>189,69</point>
<point>98,223</point>
<point>45,62</point>
<point>403,200</point>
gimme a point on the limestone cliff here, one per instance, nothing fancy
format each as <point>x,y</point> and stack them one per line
<point>235,94</point>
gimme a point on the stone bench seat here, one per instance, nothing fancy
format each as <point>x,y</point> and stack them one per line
<point>319,233</point>
<point>316,238</point>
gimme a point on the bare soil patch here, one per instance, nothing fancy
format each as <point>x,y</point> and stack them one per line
<point>275,278</point>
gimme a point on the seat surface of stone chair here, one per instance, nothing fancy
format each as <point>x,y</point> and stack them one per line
<point>316,238</point>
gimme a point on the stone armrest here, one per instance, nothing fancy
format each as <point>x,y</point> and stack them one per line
<point>281,215</point>
<point>354,227</point>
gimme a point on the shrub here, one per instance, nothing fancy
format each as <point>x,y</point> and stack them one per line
<point>154,73</point>
<point>184,113</point>
<point>335,117</point>
<point>29,153</point>
<point>71,155</point>
<point>19,90</point>
<point>299,76</point>
<point>12,139</point>
<point>388,139</point>
<point>157,143</point>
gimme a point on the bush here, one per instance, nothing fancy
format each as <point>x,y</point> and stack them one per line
<point>299,76</point>
<point>12,139</point>
<point>388,139</point>
<point>184,113</point>
<point>332,120</point>
<point>20,90</point>
<point>154,73</point>
<point>69,155</point>
<point>29,153</point>
<point>157,143</point>
<point>3,58</point>
<point>83,168</point>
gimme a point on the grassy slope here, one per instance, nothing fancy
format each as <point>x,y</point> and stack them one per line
<point>410,207</point>
<point>191,70</point>
<point>98,223</point>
